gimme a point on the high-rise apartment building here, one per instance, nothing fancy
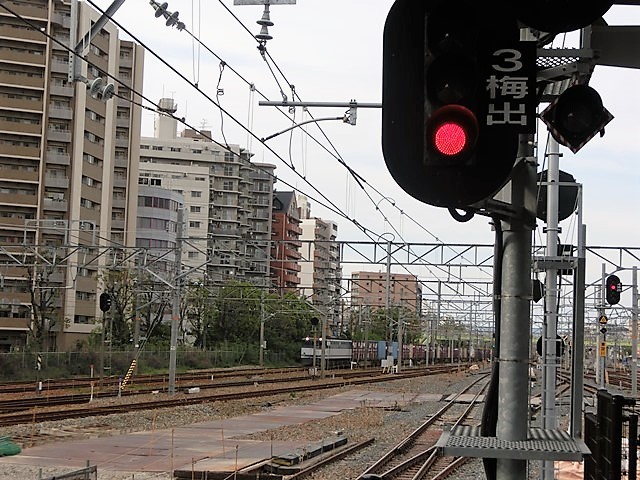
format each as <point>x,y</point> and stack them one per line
<point>285,246</point>
<point>320,270</point>
<point>370,289</point>
<point>227,199</point>
<point>68,174</point>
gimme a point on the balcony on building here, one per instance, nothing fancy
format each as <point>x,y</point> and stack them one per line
<point>23,57</point>
<point>21,128</point>
<point>291,279</point>
<point>56,181</point>
<point>19,151</point>
<point>59,135</point>
<point>62,20</point>
<point>62,90</point>
<point>21,33</point>
<point>57,158</point>
<point>119,202</point>
<point>55,205</point>
<point>64,113</point>
<point>22,104</point>
<point>119,181</point>
<point>59,67</point>
<point>62,43</point>
<point>22,174</point>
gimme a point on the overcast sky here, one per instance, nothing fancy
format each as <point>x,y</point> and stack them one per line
<point>330,51</point>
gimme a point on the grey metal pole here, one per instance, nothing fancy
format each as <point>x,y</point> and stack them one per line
<point>366,339</point>
<point>400,338</point>
<point>634,334</point>
<point>323,347</point>
<point>435,338</point>
<point>602,359</point>
<point>513,410</point>
<point>175,307</point>
<point>577,344</point>
<point>549,415</point>
<point>262,329</point>
<point>470,332</point>
<point>387,297</point>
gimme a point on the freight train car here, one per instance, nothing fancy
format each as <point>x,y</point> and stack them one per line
<point>371,352</point>
<point>336,352</point>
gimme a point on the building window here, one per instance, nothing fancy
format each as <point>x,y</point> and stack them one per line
<point>195,209</point>
<point>196,194</point>
<point>83,319</point>
<point>86,203</point>
<point>194,224</point>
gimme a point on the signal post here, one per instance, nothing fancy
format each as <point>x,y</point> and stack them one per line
<point>460,92</point>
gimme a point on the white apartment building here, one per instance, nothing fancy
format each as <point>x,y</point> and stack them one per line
<point>227,199</point>
<point>320,270</point>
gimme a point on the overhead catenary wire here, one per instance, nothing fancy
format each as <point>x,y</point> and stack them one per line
<point>359,179</point>
<point>356,176</point>
<point>353,220</point>
<point>157,108</point>
<point>333,208</point>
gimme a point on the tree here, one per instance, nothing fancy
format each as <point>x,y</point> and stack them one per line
<point>288,322</point>
<point>200,313</point>
<point>120,285</point>
<point>152,300</point>
<point>45,298</point>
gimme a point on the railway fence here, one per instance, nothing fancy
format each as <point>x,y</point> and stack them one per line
<point>23,365</point>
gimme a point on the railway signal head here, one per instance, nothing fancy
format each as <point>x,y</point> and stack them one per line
<point>450,112</point>
<point>105,301</point>
<point>613,288</point>
<point>576,116</point>
<point>554,17</point>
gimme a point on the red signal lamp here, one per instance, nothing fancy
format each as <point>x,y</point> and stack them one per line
<point>452,133</point>
<point>614,287</point>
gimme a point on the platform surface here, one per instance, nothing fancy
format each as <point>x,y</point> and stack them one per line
<point>213,446</point>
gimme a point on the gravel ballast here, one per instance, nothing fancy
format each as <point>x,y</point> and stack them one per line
<point>388,427</point>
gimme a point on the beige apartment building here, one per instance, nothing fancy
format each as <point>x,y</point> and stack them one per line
<point>370,289</point>
<point>68,168</point>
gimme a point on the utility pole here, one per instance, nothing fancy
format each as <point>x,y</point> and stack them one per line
<point>323,353</point>
<point>549,344</point>
<point>634,334</point>
<point>175,307</point>
<point>400,311</point>
<point>577,344</point>
<point>387,297</point>
<point>366,338</point>
<point>513,384</point>
<point>435,337</point>
<point>602,351</point>
<point>262,319</point>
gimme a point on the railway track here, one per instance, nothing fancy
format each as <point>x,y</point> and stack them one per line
<point>82,396</point>
<point>44,413</point>
<point>416,456</point>
<point>160,381</point>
